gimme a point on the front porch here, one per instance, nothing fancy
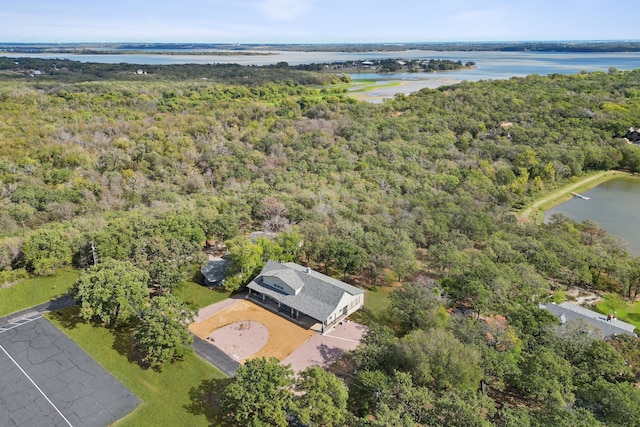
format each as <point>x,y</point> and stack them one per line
<point>285,311</point>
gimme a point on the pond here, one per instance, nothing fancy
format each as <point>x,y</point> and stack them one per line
<point>613,205</point>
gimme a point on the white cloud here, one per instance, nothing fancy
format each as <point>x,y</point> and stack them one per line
<point>283,10</point>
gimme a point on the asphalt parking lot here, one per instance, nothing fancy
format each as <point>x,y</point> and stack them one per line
<point>47,380</point>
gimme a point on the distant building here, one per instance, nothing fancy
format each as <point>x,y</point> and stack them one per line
<point>633,136</point>
<point>609,325</point>
<point>299,291</point>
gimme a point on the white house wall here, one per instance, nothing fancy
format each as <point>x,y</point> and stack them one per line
<point>352,303</point>
<point>278,283</point>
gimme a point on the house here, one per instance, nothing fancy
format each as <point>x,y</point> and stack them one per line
<point>214,271</point>
<point>633,136</point>
<point>299,291</point>
<point>609,325</point>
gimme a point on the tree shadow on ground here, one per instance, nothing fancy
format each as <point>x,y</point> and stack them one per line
<point>123,342</point>
<point>68,317</point>
<point>205,400</point>
<point>367,316</point>
<point>330,355</point>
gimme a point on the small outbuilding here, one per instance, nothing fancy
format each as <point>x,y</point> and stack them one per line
<point>214,271</point>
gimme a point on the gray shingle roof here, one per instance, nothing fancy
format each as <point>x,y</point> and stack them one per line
<point>214,270</point>
<point>319,295</point>
<point>568,312</point>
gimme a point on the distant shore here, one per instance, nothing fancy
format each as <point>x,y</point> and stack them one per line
<point>496,46</point>
<point>381,90</point>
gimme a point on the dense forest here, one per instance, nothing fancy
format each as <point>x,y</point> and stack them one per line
<point>101,166</point>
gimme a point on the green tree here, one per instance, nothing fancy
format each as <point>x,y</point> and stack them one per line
<point>291,243</point>
<point>435,357</point>
<point>347,256</point>
<point>46,250</point>
<point>417,307</point>
<point>377,350</point>
<point>260,394</point>
<point>556,415</point>
<point>111,292</point>
<point>404,402</point>
<point>270,249</point>
<point>164,274</point>
<point>546,376</point>
<point>460,409</point>
<point>246,262</point>
<point>366,391</point>
<point>323,401</point>
<point>162,334</point>
<point>615,404</point>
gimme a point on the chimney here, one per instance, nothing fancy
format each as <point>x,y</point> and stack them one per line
<point>308,270</point>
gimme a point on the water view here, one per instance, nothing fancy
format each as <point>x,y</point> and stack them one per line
<point>613,205</point>
<point>491,65</point>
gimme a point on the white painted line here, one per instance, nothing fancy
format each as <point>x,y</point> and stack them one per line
<point>15,324</point>
<point>340,338</point>
<point>35,385</point>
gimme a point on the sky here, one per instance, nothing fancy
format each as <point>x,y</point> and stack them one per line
<point>315,21</point>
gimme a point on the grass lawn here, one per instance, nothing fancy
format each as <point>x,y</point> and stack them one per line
<point>201,296</point>
<point>624,311</point>
<point>182,394</point>
<point>376,307</point>
<point>369,86</point>
<point>36,290</point>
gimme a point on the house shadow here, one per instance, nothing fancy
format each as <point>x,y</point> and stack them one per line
<point>205,400</point>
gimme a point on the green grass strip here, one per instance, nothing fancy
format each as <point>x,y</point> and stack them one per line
<point>199,295</point>
<point>36,290</point>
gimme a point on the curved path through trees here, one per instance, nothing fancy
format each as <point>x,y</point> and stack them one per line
<point>561,194</point>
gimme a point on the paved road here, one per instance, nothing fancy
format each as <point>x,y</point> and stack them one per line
<point>56,304</point>
<point>47,380</point>
<point>215,356</point>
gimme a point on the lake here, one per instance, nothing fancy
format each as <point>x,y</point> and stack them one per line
<point>491,65</point>
<point>613,206</point>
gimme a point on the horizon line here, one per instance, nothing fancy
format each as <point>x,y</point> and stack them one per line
<point>330,43</point>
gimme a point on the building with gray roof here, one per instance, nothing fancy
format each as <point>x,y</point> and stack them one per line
<point>609,325</point>
<point>297,290</point>
<point>214,271</point>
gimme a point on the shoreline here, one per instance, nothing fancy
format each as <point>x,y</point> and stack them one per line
<point>556,197</point>
<point>380,90</point>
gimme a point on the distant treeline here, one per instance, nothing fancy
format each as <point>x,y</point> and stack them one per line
<point>68,71</point>
<point>172,48</point>
<point>390,65</point>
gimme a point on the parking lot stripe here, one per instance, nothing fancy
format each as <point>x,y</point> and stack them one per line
<point>35,385</point>
<point>19,322</point>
